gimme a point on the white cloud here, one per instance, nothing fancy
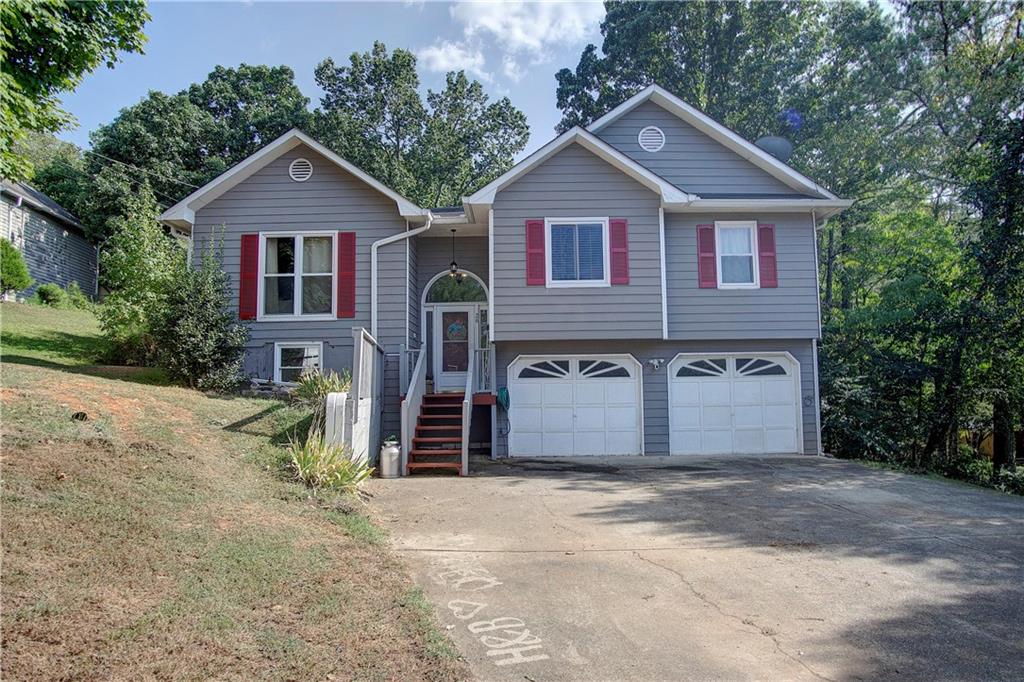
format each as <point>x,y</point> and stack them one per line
<point>531,28</point>
<point>511,68</point>
<point>445,56</point>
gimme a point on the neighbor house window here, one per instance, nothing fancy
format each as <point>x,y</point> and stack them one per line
<point>298,274</point>
<point>737,246</point>
<point>292,360</point>
<point>577,252</point>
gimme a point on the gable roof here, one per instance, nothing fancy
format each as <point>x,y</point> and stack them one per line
<point>183,213</point>
<point>670,194</point>
<point>37,200</point>
<point>718,132</point>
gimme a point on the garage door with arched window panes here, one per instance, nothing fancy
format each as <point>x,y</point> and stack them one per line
<point>734,403</point>
<point>563,406</point>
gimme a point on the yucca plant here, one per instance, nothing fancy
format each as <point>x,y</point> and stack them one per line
<point>312,390</point>
<point>323,466</point>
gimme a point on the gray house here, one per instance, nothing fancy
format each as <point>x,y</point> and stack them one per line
<point>51,240</point>
<point>647,285</point>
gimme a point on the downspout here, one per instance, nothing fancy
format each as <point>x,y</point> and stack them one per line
<point>373,266</point>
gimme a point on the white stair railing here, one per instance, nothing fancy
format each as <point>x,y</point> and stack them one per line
<point>411,405</point>
<point>467,416</point>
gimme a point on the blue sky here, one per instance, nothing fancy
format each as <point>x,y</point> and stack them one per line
<point>514,48</point>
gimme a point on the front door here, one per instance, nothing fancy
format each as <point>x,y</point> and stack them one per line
<point>454,332</point>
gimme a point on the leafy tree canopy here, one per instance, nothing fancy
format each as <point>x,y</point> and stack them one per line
<point>434,152</point>
<point>47,48</point>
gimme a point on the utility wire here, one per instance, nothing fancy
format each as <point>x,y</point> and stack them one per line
<point>143,170</point>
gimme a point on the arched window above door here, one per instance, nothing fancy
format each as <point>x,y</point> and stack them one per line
<point>448,290</point>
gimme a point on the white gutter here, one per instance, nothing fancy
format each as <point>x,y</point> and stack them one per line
<point>373,265</point>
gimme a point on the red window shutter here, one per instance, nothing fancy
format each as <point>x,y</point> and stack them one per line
<point>346,274</point>
<point>618,235</point>
<point>707,268</point>
<point>766,261</point>
<point>249,276</point>
<point>535,263</point>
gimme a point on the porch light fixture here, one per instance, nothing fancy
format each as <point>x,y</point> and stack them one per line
<point>453,269</point>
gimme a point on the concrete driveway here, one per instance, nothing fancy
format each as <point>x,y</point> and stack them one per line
<point>740,568</point>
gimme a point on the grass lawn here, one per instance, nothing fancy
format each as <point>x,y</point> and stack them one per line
<point>158,539</point>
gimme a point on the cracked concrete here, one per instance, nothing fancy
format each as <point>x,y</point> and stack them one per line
<point>740,568</point>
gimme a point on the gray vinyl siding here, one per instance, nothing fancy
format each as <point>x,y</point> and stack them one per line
<point>330,201</point>
<point>787,311</point>
<point>655,382</point>
<point>572,184</point>
<point>690,159</point>
<point>435,255</point>
<point>53,252</point>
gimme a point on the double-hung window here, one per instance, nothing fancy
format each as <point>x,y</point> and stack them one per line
<point>577,252</point>
<point>297,276</point>
<point>737,254</point>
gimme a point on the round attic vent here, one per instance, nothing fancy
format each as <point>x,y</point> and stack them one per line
<point>651,139</point>
<point>300,170</point>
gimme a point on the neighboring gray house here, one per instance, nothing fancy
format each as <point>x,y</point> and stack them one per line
<point>647,285</point>
<point>52,240</point>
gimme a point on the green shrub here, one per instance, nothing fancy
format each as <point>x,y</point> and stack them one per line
<point>76,297</point>
<point>1011,480</point>
<point>326,467</point>
<point>199,341</point>
<point>13,271</point>
<point>964,464</point>
<point>140,266</point>
<point>52,295</point>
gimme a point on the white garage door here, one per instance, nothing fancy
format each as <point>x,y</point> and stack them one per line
<point>564,406</point>
<point>742,403</point>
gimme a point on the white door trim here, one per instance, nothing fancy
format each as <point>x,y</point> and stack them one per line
<point>584,356</point>
<point>798,401</point>
<point>458,379</point>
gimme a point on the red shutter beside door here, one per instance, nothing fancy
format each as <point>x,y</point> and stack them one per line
<point>248,282</point>
<point>346,274</point>
<point>618,235</point>
<point>767,262</point>
<point>535,263</point>
<point>707,268</point>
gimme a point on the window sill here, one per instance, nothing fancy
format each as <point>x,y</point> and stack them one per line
<point>584,284</point>
<point>739,286</point>
<point>295,318</point>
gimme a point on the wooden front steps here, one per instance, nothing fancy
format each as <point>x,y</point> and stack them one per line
<point>437,443</point>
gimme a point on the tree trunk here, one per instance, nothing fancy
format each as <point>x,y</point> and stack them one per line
<point>1002,435</point>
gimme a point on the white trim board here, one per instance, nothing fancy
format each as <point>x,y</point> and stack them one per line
<point>716,131</point>
<point>182,214</point>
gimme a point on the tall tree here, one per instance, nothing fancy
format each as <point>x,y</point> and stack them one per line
<point>372,114</point>
<point>47,48</point>
<point>250,106</point>
<point>740,62</point>
<point>467,141</point>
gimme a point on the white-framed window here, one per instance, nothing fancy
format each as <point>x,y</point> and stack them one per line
<point>577,252</point>
<point>293,359</point>
<point>736,250</point>
<point>297,275</point>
